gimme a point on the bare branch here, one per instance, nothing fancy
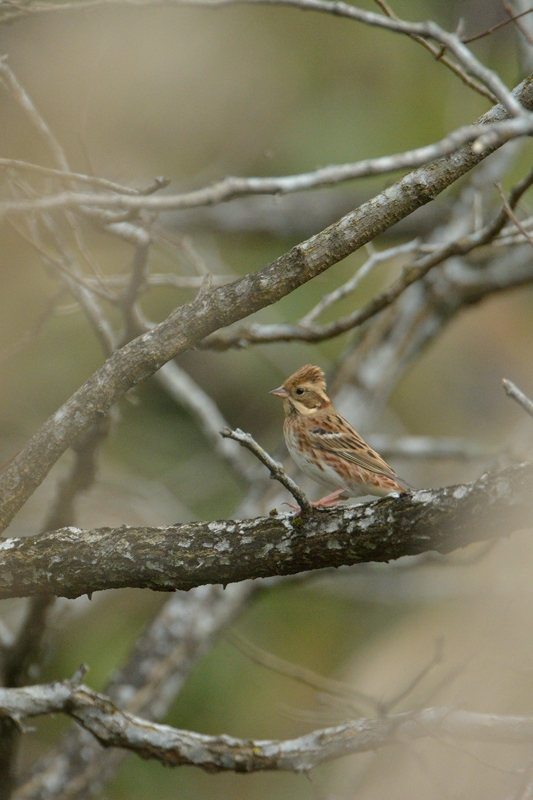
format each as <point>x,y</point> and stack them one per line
<point>203,408</point>
<point>27,105</point>
<point>71,562</point>
<point>429,446</point>
<point>513,391</point>
<point>498,25</point>
<point>174,747</point>
<point>274,467</point>
<point>438,53</point>
<point>300,673</point>
<point>512,216</point>
<point>521,24</point>
<point>424,30</point>
<point>77,177</point>
<point>482,136</point>
<point>262,334</point>
<point>351,285</point>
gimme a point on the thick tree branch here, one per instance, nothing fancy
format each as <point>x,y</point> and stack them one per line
<point>71,562</point>
<point>308,331</point>
<point>174,747</point>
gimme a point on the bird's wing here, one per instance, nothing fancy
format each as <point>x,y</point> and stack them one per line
<point>336,436</point>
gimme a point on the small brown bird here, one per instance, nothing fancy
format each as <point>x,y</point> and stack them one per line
<point>326,447</point>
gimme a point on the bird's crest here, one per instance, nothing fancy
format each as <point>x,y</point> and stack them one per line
<point>307,374</point>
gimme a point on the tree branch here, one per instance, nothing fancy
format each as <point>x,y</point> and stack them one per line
<point>427,31</point>
<point>70,562</point>
<point>512,390</point>
<point>174,747</point>
<point>161,660</point>
<point>307,331</point>
<point>274,467</point>
<point>181,387</point>
<point>233,187</point>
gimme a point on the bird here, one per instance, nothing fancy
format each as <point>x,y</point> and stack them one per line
<point>326,447</point>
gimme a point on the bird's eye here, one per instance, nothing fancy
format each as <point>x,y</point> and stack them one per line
<point>300,391</point>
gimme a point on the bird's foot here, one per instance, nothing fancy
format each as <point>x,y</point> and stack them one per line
<point>329,501</point>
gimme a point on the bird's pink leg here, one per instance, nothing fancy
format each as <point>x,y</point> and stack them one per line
<point>328,501</point>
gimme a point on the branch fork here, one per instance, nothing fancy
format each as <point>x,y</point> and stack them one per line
<point>276,470</point>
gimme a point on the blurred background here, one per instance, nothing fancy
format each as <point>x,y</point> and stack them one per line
<point>195,94</point>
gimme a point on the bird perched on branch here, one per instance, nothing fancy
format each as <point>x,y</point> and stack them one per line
<point>326,447</point>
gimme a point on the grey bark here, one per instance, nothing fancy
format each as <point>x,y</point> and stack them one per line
<point>70,562</point>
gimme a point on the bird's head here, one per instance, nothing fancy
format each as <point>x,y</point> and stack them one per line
<point>304,392</point>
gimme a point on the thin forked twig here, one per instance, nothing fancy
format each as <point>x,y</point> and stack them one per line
<point>512,216</point>
<point>276,470</point>
<point>518,22</point>
<point>352,284</point>
<point>498,25</point>
<point>299,673</point>
<point>78,177</point>
<point>442,57</point>
<point>522,399</point>
<point>413,683</point>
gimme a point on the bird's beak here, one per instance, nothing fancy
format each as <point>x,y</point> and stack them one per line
<point>281,392</point>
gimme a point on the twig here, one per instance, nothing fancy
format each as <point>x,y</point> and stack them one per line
<point>442,57</point>
<point>180,386</point>
<point>497,26</point>
<point>352,284</point>
<point>414,682</point>
<point>77,177</point>
<point>300,673</point>
<point>27,105</point>
<point>513,391</point>
<point>276,470</point>
<point>512,216</point>
<point>174,747</point>
<point>519,24</point>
